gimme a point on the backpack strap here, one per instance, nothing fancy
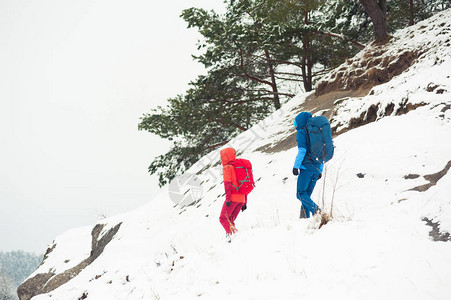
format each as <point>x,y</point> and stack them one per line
<point>240,182</point>
<point>232,163</point>
<point>307,138</point>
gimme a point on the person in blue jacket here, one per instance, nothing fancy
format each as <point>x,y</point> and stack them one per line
<point>307,170</point>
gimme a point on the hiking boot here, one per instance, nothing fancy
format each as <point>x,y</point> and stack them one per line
<point>229,238</point>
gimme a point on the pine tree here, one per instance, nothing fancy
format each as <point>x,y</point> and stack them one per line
<point>18,265</point>
<point>7,288</point>
<point>213,111</point>
<point>257,55</point>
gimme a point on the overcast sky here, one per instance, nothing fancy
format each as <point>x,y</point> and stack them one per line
<point>75,77</point>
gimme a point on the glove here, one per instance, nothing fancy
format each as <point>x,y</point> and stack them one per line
<point>228,204</point>
<point>295,172</point>
<point>319,176</point>
<point>244,207</point>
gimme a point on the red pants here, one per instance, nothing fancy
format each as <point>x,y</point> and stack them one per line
<point>229,214</point>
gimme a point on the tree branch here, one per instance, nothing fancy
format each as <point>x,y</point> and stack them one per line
<point>289,79</point>
<point>275,60</point>
<point>290,74</point>
<point>340,37</point>
<point>216,145</point>
<point>221,121</point>
<point>269,92</point>
<point>250,76</point>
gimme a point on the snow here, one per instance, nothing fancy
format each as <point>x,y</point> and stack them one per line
<point>376,246</point>
<point>438,204</point>
<point>69,249</point>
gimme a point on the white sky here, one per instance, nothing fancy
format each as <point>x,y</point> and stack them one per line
<point>75,77</point>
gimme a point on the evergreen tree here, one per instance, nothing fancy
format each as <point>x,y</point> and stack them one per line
<point>237,42</point>
<point>255,55</point>
<point>215,109</point>
<point>401,13</point>
<point>15,267</point>
<point>389,16</point>
<point>18,265</point>
<point>7,288</point>
<point>348,20</point>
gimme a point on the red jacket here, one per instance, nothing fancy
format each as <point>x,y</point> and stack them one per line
<point>228,156</point>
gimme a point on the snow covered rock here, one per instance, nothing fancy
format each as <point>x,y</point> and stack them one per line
<point>59,271</point>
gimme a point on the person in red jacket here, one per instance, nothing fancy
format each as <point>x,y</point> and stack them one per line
<point>234,202</point>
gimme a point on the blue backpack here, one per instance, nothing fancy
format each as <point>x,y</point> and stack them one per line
<point>319,139</point>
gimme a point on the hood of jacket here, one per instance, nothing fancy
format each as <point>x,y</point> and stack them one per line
<point>227,155</point>
<point>301,120</point>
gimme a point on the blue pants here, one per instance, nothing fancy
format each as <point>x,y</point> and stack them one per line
<point>306,183</point>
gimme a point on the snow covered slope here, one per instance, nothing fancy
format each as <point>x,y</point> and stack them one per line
<point>386,177</point>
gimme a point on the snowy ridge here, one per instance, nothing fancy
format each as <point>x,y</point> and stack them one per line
<point>74,246</point>
<point>427,81</point>
<point>376,246</point>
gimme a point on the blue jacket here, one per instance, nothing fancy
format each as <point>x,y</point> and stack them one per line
<point>301,161</point>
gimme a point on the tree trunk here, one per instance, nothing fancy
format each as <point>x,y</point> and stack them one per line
<point>306,59</point>
<point>309,67</point>
<point>411,22</point>
<point>377,11</point>
<point>273,80</point>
